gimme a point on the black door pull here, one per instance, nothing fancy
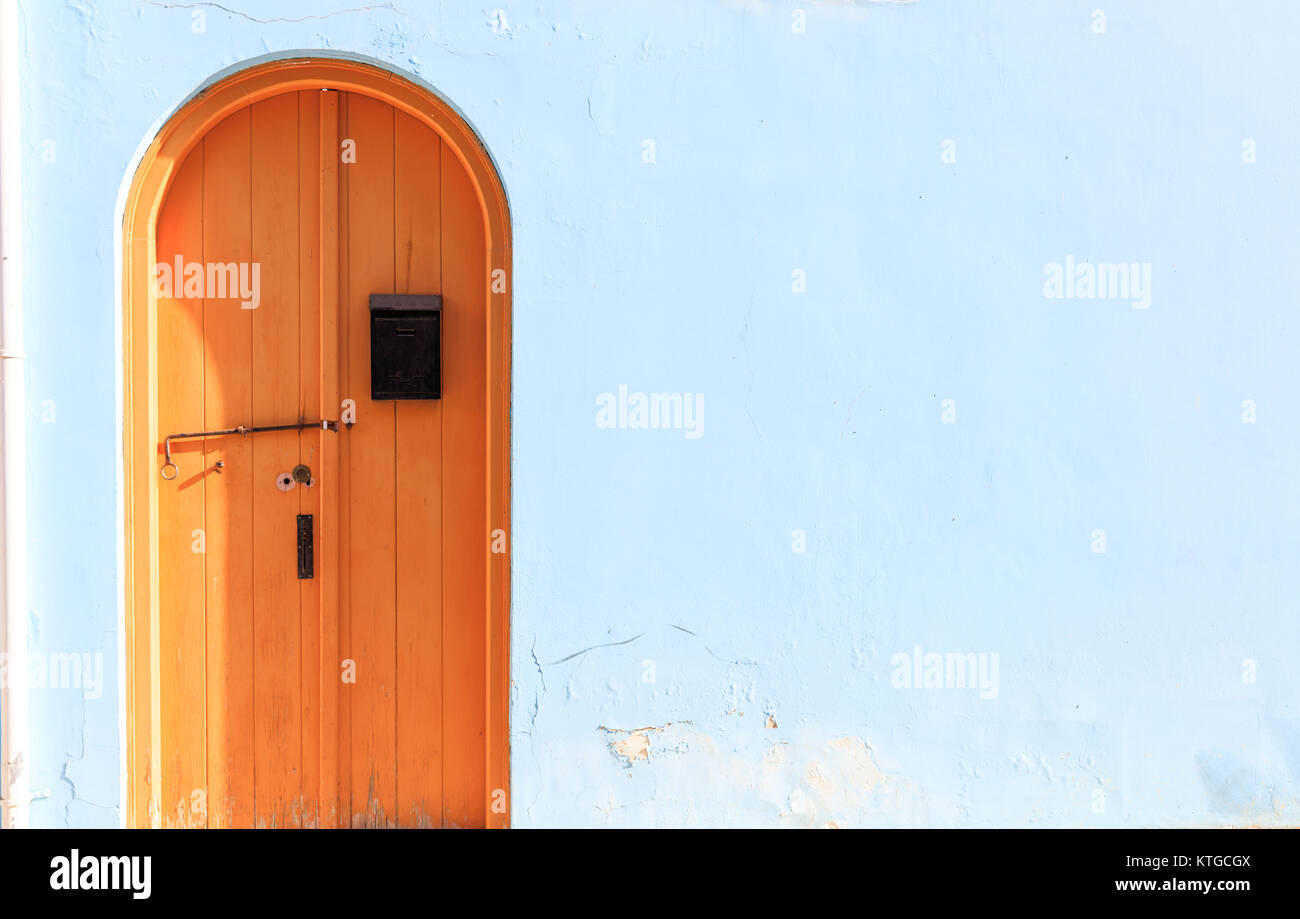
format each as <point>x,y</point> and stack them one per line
<point>304,546</point>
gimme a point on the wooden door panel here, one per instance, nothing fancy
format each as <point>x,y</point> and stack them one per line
<point>371,490</point>
<point>227,395</point>
<point>464,463</point>
<point>254,726</point>
<point>310,446</point>
<point>333,582</point>
<point>418,444</point>
<point>277,629</point>
<point>182,741</point>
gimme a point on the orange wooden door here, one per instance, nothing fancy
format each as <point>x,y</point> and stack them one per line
<point>356,697</point>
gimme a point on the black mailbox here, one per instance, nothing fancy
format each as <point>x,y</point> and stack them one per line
<point>405,353</point>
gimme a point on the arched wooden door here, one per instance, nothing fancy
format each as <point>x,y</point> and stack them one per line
<point>321,652</point>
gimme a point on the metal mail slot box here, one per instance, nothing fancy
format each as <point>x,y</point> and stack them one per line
<point>405,346</point>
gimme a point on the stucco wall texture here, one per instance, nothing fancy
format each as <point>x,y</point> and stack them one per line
<point>967,526</point>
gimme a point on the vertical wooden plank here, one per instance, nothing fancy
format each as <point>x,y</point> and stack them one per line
<point>464,464</point>
<point>419,486</point>
<point>141,416</point>
<point>181,533</point>
<point>277,626</point>
<point>372,494</point>
<point>331,478</point>
<point>498,520</point>
<point>345,488</point>
<point>311,444</point>
<point>228,403</point>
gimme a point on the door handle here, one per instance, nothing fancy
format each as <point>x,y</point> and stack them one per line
<point>305,538</point>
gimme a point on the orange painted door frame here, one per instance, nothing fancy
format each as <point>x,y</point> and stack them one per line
<point>270,718</point>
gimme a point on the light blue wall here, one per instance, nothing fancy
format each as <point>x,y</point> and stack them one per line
<point>1119,672</point>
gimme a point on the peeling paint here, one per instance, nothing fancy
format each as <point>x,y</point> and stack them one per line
<point>633,745</point>
<point>835,782</point>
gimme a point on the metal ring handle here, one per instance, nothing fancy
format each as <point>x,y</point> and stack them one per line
<point>176,470</point>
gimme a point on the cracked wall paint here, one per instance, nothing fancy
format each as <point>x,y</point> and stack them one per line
<point>654,582</point>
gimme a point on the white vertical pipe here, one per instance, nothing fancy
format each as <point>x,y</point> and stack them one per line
<point>15,760</point>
